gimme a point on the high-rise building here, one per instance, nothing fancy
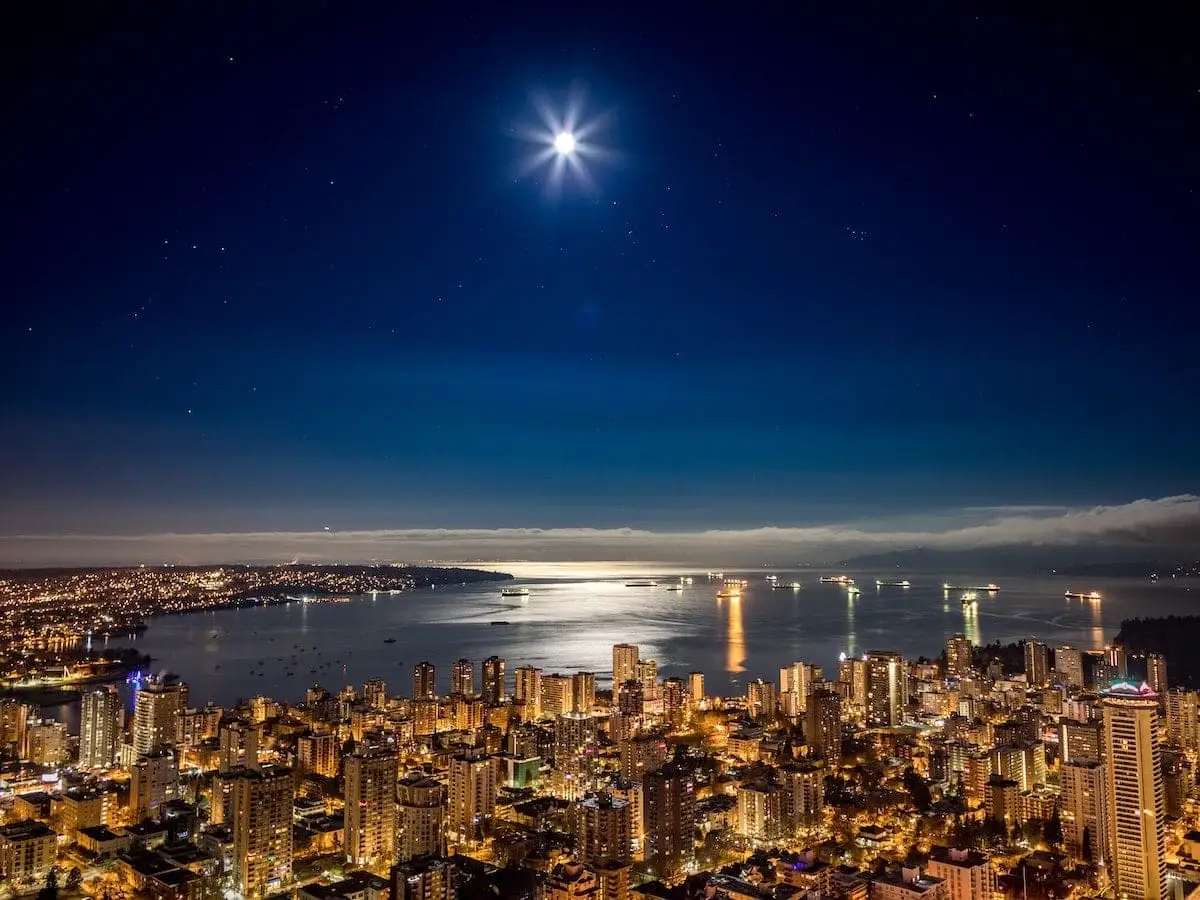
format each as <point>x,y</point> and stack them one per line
<point>803,795</point>
<point>428,878</point>
<point>798,679</point>
<point>958,656</point>
<point>1183,719</point>
<point>14,718</point>
<point>966,874</point>
<point>583,692</point>
<point>473,786</point>
<point>887,688</point>
<point>674,698</point>
<point>462,678</point>
<point>493,680</point>
<point>1156,673</point>
<point>641,755</point>
<point>625,662</point>
<point>570,881</point>
<point>1080,740</point>
<point>614,880</point>
<point>1085,809</point>
<point>670,797</point>
<point>101,721</point>
<point>557,695</point>
<point>823,724</point>
<point>424,681</point>
<point>603,828</point>
<point>153,780</point>
<point>527,690</point>
<point>375,693</point>
<point>262,830</point>
<point>695,688</point>
<point>575,744</point>
<point>760,811</point>
<point>1136,813</point>
<point>647,674</point>
<point>238,745</point>
<point>1037,664</point>
<point>370,810</point>
<point>760,699</point>
<point>854,673</point>
<point>422,811</point>
<point>155,708</point>
<point>317,754</point>
<point>1068,662</point>
<point>1118,658</point>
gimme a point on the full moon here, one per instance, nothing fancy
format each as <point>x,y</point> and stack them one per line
<point>564,143</point>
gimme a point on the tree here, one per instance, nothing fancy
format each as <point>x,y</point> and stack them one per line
<point>1053,832</point>
<point>50,891</point>
<point>74,879</point>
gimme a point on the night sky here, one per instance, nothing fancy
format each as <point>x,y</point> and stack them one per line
<point>285,266</point>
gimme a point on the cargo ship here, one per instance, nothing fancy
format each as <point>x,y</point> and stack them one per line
<point>786,586</point>
<point>986,588</point>
<point>836,579</point>
<point>881,583</point>
<point>514,592</point>
<point>1082,595</point>
<point>641,583</point>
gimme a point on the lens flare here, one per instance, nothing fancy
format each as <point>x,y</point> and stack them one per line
<point>565,144</point>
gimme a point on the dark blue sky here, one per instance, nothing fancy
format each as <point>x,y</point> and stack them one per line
<point>278,269</point>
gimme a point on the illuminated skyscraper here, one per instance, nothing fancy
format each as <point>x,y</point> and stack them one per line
<point>696,694</point>
<point>603,829</point>
<point>101,720</point>
<point>1156,673</point>
<point>1068,662</point>
<point>1085,809</point>
<point>557,695</point>
<point>674,697</point>
<point>823,724</point>
<point>1183,719</point>
<point>238,745</point>
<point>760,699</point>
<point>647,673</point>
<point>422,815</point>
<point>370,810</point>
<point>1136,809</point>
<point>853,673</point>
<point>527,690</point>
<point>583,692</point>
<point>375,693</point>
<point>576,744</point>
<point>803,794</point>
<point>493,680</point>
<point>156,705</point>
<point>625,660</point>
<point>262,830</point>
<point>424,681</point>
<point>1118,658</point>
<point>887,688</point>
<point>153,780</point>
<point>670,793</point>
<point>473,786</point>
<point>462,678</point>
<point>958,656</point>
<point>317,754</point>
<point>1037,664</point>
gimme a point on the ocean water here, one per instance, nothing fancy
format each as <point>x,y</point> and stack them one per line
<point>575,613</point>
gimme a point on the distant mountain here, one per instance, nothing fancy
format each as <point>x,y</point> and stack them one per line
<point>1015,559</point>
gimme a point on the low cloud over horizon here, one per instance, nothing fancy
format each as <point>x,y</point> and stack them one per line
<point>1168,522</point>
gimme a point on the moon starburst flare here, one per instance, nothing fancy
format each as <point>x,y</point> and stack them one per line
<point>565,144</point>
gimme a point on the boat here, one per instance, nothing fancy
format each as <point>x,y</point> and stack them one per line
<point>389,640</point>
<point>1082,595</point>
<point>836,579</point>
<point>881,583</point>
<point>501,622</point>
<point>727,594</point>
<point>969,598</point>
<point>990,588</point>
<point>851,590</point>
<point>736,582</point>
<point>786,586</point>
<point>514,592</point>
<point>674,587</point>
<point>641,583</point>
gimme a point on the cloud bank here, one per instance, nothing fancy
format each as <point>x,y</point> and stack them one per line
<point>1166,522</point>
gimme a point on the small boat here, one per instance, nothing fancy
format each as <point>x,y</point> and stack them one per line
<point>970,598</point>
<point>1082,595</point>
<point>514,592</point>
<point>389,640</point>
<point>500,623</point>
<point>642,583</point>
<point>674,587</point>
<point>851,590</point>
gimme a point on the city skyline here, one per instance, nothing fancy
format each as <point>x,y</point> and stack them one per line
<point>273,276</point>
